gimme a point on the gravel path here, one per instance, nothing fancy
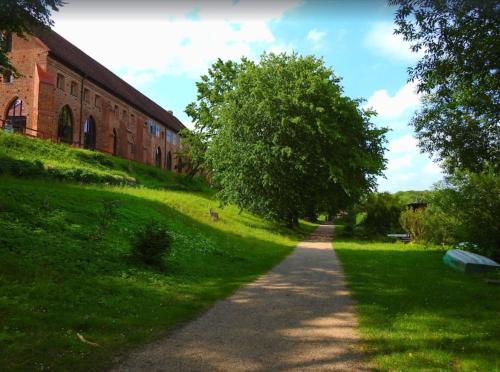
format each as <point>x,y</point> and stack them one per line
<point>297,316</point>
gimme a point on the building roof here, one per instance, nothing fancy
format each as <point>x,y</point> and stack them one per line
<point>68,54</point>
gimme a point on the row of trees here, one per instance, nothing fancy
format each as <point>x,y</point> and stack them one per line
<point>462,209</point>
<point>459,122</point>
<point>277,137</point>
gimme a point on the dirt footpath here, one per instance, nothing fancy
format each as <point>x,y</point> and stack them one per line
<point>297,316</point>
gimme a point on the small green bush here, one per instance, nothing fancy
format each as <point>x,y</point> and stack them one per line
<point>151,243</point>
<point>382,214</point>
<point>414,223</point>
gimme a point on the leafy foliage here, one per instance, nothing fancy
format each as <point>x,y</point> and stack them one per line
<point>382,213</point>
<point>282,140</point>
<point>459,75</point>
<point>468,204</point>
<point>412,196</point>
<point>414,223</point>
<point>20,17</point>
<point>151,243</point>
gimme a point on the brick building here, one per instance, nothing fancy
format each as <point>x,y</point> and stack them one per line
<point>68,97</point>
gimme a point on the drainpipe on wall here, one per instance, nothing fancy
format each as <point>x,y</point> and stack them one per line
<point>81,112</point>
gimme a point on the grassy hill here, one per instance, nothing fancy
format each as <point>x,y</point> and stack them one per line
<point>67,217</point>
<point>24,157</point>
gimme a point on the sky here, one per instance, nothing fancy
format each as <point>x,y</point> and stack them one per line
<point>163,47</point>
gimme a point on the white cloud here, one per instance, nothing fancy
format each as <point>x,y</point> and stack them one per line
<point>392,107</point>
<point>433,168</point>
<point>382,40</point>
<point>407,168</point>
<point>407,143</point>
<point>315,36</point>
<point>405,161</point>
<point>142,48</point>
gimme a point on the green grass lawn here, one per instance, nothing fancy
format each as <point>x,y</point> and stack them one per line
<point>416,313</point>
<point>66,267</point>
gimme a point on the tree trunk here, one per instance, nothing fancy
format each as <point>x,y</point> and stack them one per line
<point>293,221</point>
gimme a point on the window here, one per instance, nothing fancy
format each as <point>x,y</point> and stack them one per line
<point>74,88</point>
<point>117,110</point>
<point>132,146</point>
<point>16,117</point>
<point>157,130</point>
<point>60,81</point>
<point>86,95</point>
<point>169,161</point>
<point>65,126</point>
<point>158,157</point>
<point>168,136</point>
<point>115,142</point>
<point>174,139</point>
<point>97,101</point>
<point>150,126</point>
<point>89,134</point>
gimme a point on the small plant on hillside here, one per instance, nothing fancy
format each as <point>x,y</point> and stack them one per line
<point>151,243</point>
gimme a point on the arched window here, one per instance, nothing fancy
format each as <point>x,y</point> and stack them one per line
<point>169,161</point>
<point>158,157</point>
<point>115,142</point>
<point>65,126</point>
<point>15,119</point>
<point>89,133</point>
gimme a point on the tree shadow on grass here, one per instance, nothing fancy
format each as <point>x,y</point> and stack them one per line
<point>60,278</point>
<point>416,312</point>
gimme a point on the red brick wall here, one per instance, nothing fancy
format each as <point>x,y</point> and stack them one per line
<point>44,99</point>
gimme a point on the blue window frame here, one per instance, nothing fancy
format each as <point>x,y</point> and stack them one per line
<point>150,126</point>
<point>167,136</point>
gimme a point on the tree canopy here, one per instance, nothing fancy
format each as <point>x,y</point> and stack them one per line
<point>19,17</point>
<point>459,76</point>
<point>280,138</point>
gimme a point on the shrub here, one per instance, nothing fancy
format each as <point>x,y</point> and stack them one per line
<point>151,243</point>
<point>414,223</point>
<point>382,213</point>
<point>471,202</point>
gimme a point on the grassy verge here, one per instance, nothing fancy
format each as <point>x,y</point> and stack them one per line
<point>34,158</point>
<point>417,314</point>
<point>65,262</point>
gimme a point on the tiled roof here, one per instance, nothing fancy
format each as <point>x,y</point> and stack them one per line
<point>65,52</point>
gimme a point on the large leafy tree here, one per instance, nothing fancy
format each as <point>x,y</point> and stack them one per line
<point>20,17</point>
<point>282,139</point>
<point>459,76</point>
